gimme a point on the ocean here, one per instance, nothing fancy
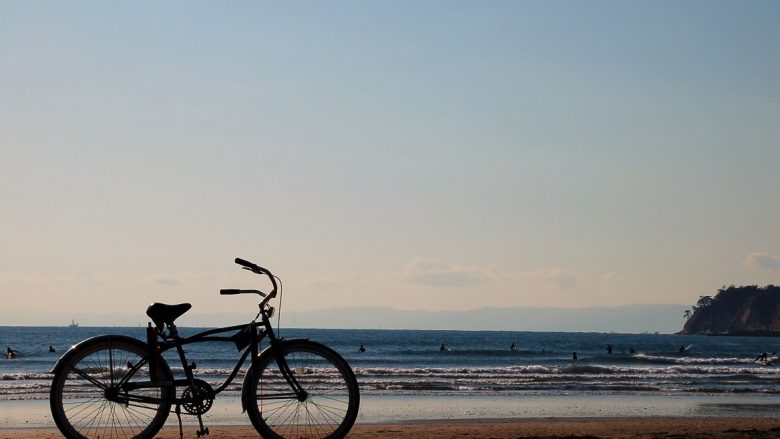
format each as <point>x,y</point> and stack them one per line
<point>398,363</point>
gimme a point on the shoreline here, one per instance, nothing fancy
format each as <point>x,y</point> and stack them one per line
<point>399,409</point>
<point>594,427</point>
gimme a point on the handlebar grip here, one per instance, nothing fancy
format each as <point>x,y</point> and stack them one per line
<point>229,291</point>
<point>244,263</point>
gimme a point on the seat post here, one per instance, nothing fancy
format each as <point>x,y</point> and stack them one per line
<point>172,331</point>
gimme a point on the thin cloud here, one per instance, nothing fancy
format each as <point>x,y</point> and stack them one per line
<point>79,279</point>
<point>562,279</point>
<point>168,281</point>
<point>437,272</point>
<point>555,277</point>
<point>333,282</point>
<point>763,260</point>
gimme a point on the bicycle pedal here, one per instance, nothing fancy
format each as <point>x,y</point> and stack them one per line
<point>204,432</point>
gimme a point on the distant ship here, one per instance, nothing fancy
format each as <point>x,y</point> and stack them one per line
<point>73,324</point>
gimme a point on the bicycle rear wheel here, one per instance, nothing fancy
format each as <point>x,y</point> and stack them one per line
<point>87,400</point>
<point>332,397</point>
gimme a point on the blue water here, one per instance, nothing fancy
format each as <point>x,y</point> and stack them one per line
<point>479,363</point>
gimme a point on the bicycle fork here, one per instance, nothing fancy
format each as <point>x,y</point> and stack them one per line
<point>277,345</point>
<point>284,368</point>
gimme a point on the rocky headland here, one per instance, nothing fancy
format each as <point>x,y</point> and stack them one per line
<point>747,310</point>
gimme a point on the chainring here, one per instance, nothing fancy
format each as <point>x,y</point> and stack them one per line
<point>199,401</point>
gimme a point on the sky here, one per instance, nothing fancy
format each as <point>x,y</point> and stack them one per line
<point>416,155</point>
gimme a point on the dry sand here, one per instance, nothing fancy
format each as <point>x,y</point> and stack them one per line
<point>691,427</point>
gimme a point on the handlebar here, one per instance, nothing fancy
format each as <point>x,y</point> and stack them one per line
<point>254,268</point>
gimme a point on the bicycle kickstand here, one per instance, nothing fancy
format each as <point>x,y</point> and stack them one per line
<point>200,433</point>
<point>178,415</point>
<point>203,431</point>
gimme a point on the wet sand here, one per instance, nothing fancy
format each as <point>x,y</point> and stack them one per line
<point>621,427</point>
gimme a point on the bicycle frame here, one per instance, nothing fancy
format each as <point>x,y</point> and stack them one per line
<point>173,340</point>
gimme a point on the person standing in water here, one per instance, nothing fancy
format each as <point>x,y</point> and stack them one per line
<point>362,348</point>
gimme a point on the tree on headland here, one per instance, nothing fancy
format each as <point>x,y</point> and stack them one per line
<point>703,303</point>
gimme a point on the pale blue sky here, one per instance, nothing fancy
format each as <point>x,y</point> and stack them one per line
<point>420,155</point>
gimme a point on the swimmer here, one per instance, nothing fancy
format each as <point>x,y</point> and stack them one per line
<point>362,348</point>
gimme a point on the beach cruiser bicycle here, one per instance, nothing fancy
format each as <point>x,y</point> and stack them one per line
<point>114,386</point>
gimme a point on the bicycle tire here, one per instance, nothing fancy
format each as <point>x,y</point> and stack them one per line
<point>333,400</point>
<point>79,403</point>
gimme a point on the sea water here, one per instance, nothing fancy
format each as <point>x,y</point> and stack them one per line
<point>399,363</point>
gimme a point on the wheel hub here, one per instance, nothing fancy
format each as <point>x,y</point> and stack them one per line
<point>112,394</point>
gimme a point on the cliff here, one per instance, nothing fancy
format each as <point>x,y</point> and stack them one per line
<point>734,310</point>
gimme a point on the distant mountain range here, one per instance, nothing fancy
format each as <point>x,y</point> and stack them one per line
<point>628,319</point>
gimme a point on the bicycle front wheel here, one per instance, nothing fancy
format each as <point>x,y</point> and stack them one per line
<point>330,405</point>
<point>104,390</point>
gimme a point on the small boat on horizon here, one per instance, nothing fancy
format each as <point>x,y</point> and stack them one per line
<point>73,324</point>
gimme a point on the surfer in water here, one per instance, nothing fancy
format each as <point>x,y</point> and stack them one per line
<point>763,358</point>
<point>513,347</point>
<point>10,353</point>
<point>362,348</point>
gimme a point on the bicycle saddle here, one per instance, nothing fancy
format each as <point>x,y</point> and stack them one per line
<point>161,313</point>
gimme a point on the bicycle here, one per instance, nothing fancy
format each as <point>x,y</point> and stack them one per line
<point>120,386</point>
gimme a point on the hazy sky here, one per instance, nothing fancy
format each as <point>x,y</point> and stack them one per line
<point>418,155</point>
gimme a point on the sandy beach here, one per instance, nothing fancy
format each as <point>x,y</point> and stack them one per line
<point>629,427</point>
<point>494,418</point>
